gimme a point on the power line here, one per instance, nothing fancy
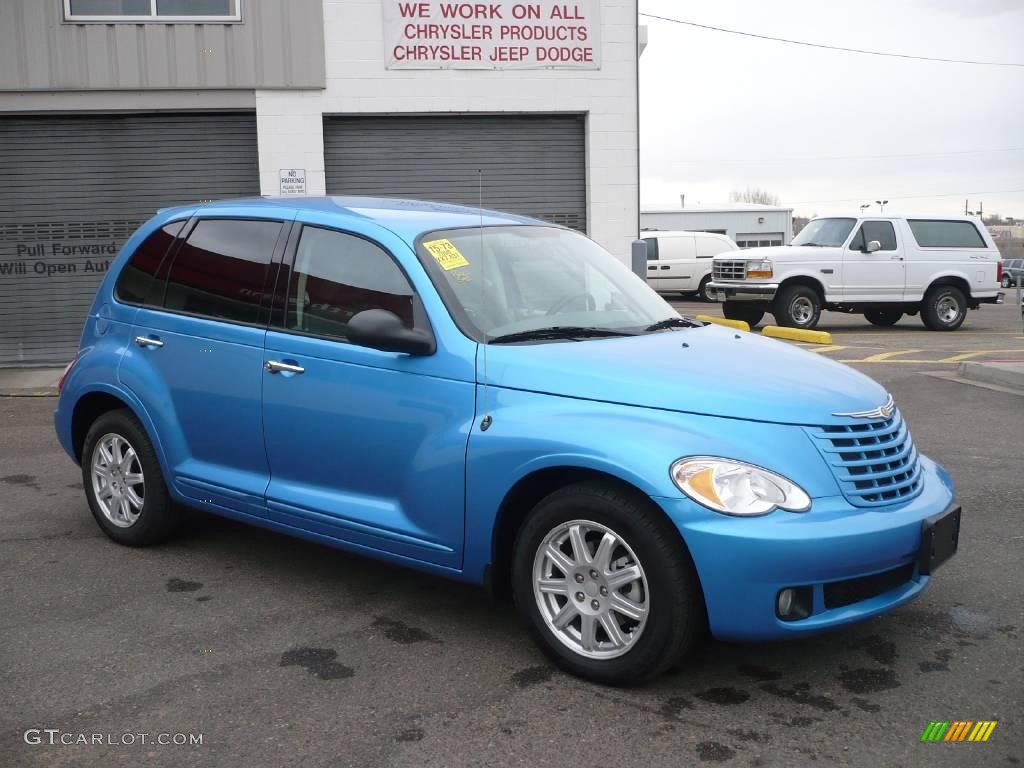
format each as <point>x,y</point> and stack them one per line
<point>847,157</point>
<point>834,47</point>
<point>907,197</point>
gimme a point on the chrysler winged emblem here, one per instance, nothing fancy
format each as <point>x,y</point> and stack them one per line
<point>884,411</point>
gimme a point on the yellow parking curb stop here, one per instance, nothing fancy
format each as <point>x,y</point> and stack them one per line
<point>737,324</point>
<point>797,334</point>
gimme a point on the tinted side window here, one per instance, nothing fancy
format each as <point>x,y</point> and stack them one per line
<point>946,234</point>
<point>652,248</point>
<point>882,231</point>
<point>221,269</point>
<point>133,284</point>
<point>336,276</point>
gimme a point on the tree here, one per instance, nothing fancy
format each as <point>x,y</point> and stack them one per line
<point>754,195</point>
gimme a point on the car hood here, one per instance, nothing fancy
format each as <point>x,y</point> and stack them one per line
<point>711,370</point>
<point>781,252</point>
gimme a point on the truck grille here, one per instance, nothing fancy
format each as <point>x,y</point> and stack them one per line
<point>730,270</point>
<point>875,463</point>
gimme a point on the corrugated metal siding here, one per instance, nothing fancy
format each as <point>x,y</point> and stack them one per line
<point>278,44</point>
<point>76,187</point>
<point>532,164</point>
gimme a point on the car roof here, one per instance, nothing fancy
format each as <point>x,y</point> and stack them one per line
<point>681,233</point>
<point>406,218</point>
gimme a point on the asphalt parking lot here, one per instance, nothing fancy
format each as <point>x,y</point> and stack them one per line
<point>280,652</point>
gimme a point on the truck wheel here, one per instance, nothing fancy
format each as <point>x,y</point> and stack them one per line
<point>738,310</point>
<point>797,306</point>
<point>883,317</point>
<point>702,292</point>
<point>944,308</point>
<point>123,482</point>
<point>606,585</point>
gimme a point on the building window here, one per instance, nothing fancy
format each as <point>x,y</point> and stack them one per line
<point>136,11</point>
<point>758,240</point>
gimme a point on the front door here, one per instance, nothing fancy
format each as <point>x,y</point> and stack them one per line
<point>196,361</point>
<point>364,446</point>
<point>879,276</point>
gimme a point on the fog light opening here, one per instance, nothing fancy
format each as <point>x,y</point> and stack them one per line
<point>793,603</point>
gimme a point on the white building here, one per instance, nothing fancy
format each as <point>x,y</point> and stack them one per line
<point>748,224</point>
<point>110,110</point>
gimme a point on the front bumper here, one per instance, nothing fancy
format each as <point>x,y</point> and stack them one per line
<point>744,562</point>
<point>743,291</point>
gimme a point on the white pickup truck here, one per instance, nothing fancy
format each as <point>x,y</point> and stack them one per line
<point>883,267</point>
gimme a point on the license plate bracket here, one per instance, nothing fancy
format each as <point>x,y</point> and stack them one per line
<point>940,539</point>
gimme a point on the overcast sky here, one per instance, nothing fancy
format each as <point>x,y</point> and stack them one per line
<point>720,112</point>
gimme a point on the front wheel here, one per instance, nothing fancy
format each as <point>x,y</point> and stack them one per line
<point>1006,281</point>
<point>883,317</point>
<point>738,310</point>
<point>606,585</point>
<point>797,306</point>
<point>703,292</point>
<point>944,308</point>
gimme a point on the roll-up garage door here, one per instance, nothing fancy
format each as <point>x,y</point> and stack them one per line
<point>532,164</point>
<point>76,187</point>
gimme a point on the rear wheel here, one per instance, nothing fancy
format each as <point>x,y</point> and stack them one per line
<point>797,306</point>
<point>1006,281</point>
<point>606,585</point>
<point>738,310</point>
<point>883,317</point>
<point>944,308</point>
<point>123,482</point>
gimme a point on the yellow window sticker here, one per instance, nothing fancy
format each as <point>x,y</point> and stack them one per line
<point>446,254</point>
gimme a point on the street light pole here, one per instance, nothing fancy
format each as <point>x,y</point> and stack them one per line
<point>881,205</point>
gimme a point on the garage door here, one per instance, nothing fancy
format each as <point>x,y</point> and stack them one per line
<point>75,187</point>
<point>532,164</point>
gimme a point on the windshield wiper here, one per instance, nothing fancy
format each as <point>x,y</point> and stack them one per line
<point>574,332</point>
<point>813,245</point>
<point>674,322</point>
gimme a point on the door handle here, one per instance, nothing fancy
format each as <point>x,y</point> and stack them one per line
<point>275,366</point>
<point>144,341</point>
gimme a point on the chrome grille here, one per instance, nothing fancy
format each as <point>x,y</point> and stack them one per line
<point>730,270</point>
<point>874,462</point>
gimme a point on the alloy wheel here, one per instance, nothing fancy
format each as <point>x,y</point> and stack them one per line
<point>117,480</point>
<point>591,589</point>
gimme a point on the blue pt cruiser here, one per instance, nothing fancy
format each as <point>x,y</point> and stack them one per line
<point>499,400</point>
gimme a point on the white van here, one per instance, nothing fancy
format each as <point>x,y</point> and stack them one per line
<point>680,262</point>
<point>883,267</point>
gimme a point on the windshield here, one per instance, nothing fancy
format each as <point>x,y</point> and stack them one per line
<point>510,281</point>
<point>825,232</point>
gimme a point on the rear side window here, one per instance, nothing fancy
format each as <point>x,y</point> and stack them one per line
<point>136,278</point>
<point>221,269</point>
<point>946,234</point>
<point>336,276</point>
<point>882,231</point>
<point>652,248</point>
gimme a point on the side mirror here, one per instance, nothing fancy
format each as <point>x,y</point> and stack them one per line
<point>383,330</point>
<point>873,245</point>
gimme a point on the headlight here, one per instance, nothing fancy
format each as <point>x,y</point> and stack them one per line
<point>736,488</point>
<point>762,268</point>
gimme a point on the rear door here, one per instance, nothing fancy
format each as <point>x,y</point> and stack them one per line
<point>878,276</point>
<point>197,355</point>
<point>676,267</point>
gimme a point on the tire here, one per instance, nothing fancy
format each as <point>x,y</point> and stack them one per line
<point>944,308</point>
<point>1006,281</point>
<point>797,306</point>
<point>650,641</point>
<point>738,310</point>
<point>114,434</point>
<point>883,317</point>
<point>702,290</point>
